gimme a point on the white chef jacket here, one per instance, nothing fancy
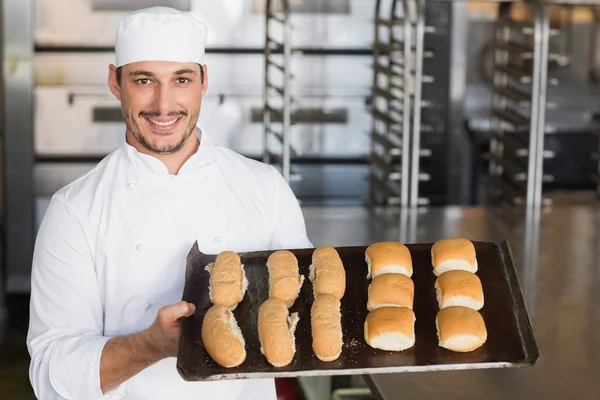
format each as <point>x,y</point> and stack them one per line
<point>111,251</point>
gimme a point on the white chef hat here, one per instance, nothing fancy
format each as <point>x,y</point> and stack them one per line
<point>160,34</point>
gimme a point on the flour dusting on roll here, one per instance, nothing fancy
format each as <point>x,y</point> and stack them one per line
<point>228,281</point>
<point>327,272</point>
<point>284,280</point>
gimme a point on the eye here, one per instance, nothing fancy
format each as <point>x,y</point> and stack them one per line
<point>182,80</point>
<point>143,81</point>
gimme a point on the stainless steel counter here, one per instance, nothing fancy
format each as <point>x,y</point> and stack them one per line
<point>557,255</point>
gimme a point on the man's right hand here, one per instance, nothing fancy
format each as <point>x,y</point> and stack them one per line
<point>125,356</point>
<point>163,334</point>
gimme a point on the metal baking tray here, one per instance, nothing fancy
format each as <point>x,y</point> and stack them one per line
<point>510,343</point>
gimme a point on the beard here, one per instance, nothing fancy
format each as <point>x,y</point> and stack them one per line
<point>134,126</point>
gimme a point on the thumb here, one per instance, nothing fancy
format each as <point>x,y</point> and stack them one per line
<point>179,310</point>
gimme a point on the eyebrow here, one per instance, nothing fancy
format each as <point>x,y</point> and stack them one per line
<point>184,71</point>
<point>143,73</point>
<point>150,74</point>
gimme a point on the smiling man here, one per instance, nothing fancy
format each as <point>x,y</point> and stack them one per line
<point>109,260</point>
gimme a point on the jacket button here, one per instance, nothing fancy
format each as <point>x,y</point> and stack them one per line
<point>218,239</point>
<point>131,185</point>
<point>139,247</point>
<point>208,178</point>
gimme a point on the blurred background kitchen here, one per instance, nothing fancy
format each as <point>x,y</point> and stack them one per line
<point>392,120</point>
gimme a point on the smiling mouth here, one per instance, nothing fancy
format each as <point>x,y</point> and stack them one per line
<point>163,123</point>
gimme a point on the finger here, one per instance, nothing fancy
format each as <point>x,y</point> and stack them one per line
<point>176,311</point>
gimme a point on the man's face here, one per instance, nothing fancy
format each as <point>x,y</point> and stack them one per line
<point>160,102</point>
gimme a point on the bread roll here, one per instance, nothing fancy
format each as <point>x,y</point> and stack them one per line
<point>460,329</point>
<point>276,330</point>
<point>327,272</point>
<point>453,254</point>
<point>284,280</point>
<point>386,257</point>
<point>459,288</point>
<point>228,281</point>
<point>222,337</point>
<point>391,290</point>
<point>390,328</point>
<point>326,327</point>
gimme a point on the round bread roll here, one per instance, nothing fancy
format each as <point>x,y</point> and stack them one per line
<point>453,254</point>
<point>327,272</point>
<point>391,290</point>
<point>276,332</point>
<point>459,288</point>
<point>284,280</point>
<point>228,281</point>
<point>390,328</point>
<point>460,329</point>
<point>326,327</point>
<point>388,257</point>
<point>222,337</point>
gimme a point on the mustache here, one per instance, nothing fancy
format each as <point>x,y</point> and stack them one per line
<point>158,114</point>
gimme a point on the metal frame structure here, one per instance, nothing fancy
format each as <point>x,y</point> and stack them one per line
<point>18,151</point>
<point>520,81</point>
<point>397,79</point>
<point>596,176</point>
<point>271,111</point>
<point>390,128</point>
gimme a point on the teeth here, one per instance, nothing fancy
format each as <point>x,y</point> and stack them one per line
<point>163,123</point>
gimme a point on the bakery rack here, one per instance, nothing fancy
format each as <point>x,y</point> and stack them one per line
<point>277,108</point>
<point>396,103</point>
<point>520,79</point>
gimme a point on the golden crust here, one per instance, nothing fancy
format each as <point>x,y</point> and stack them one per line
<point>453,249</point>
<point>226,279</point>
<point>397,289</point>
<point>284,279</point>
<point>219,339</point>
<point>385,254</point>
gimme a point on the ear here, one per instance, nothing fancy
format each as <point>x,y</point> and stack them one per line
<point>113,84</point>
<point>205,83</point>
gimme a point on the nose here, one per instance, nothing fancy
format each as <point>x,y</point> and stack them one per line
<point>163,101</point>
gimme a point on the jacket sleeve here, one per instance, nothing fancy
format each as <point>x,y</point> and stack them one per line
<point>289,227</point>
<point>65,338</point>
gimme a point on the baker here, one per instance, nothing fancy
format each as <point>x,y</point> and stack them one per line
<point>109,259</point>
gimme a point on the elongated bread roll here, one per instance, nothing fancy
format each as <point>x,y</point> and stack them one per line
<point>327,272</point>
<point>390,328</point>
<point>326,327</point>
<point>453,254</point>
<point>284,280</point>
<point>460,329</point>
<point>391,290</point>
<point>222,337</point>
<point>388,257</point>
<point>228,281</point>
<point>459,288</point>
<point>276,330</point>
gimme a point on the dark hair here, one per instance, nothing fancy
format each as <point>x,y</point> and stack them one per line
<point>119,75</point>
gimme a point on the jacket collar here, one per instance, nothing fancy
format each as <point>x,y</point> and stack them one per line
<point>153,165</point>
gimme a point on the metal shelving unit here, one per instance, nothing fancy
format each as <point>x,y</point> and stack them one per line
<point>520,79</point>
<point>277,110</point>
<point>396,102</point>
<point>390,103</point>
